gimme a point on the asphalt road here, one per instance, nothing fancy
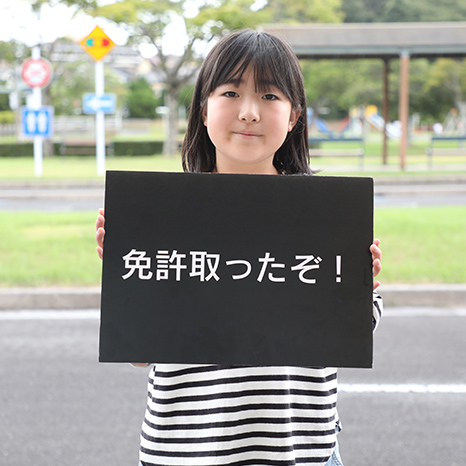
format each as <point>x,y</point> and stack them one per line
<point>51,198</point>
<point>419,195</point>
<point>59,406</point>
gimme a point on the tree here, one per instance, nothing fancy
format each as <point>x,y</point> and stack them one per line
<point>304,11</point>
<point>9,52</point>
<point>448,76</point>
<point>147,21</point>
<point>339,85</point>
<point>371,11</point>
<point>434,86</point>
<point>381,11</point>
<point>140,101</point>
<point>12,52</point>
<point>72,80</point>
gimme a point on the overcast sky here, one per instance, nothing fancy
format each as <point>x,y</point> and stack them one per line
<point>17,21</point>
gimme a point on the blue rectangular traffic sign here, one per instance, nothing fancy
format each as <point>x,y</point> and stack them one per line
<point>93,103</point>
<point>37,122</point>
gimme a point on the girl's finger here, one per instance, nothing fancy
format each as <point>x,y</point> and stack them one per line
<point>376,252</point>
<point>100,222</point>
<point>99,237</point>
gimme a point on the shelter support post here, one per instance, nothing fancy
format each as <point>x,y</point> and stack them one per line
<point>385,109</point>
<point>404,106</point>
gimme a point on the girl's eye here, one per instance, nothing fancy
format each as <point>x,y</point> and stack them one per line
<point>230,94</point>
<point>270,97</point>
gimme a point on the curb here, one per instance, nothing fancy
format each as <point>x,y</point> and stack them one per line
<point>381,180</point>
<point>439,295</point>
<point>403,295</point>
<point>49,298</point>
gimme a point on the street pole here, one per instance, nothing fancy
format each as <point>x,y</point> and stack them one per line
<point>385,109</point>
<point>100,119</point>
<point>97,44</point>
<point>36,104</point>
<point>404,107</point>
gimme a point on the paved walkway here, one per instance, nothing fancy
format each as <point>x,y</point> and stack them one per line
<point>446,296</point>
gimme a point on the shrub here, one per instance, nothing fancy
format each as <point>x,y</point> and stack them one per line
<point>7,117</point>
<point>120,148</point>
<point>137,147</point>
<point>20,149</point>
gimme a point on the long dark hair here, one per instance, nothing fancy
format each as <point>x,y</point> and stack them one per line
<point>274,63</point>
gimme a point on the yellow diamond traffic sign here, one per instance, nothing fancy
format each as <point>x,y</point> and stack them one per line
<point>97,44</point>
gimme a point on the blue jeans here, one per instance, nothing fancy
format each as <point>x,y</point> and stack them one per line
<point>335,459</point>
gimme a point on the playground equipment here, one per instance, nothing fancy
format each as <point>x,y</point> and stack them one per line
<point>350,126</point>
<point>454,123</point>
<point>353,124</point>
<point>342,136</point>
<point>375,120</point>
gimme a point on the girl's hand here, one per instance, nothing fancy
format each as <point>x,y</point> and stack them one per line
<point>100,232</point>
<point>376,260</point>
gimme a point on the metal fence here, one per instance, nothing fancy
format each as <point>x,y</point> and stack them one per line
<point>65,126</point>
<point>8,129</point>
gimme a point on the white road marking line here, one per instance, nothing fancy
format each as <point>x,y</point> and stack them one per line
<point>403,388</point>
<point>68,314</point>
<point>424,312</point>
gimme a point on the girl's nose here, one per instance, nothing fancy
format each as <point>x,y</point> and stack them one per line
<point>249,111</point>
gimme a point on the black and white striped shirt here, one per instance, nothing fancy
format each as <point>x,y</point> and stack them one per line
<point>237,416</point>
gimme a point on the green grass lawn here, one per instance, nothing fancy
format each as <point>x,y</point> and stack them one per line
<point>41,249</point>
<point>84,167</point>
<point>422,245</point>
<point>81,167</point>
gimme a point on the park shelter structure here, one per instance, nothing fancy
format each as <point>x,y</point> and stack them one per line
<point>386,41</point>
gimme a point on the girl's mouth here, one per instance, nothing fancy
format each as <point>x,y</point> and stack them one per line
<point>247,134</point>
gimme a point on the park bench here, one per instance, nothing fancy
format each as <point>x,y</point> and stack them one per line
<point>76,147</point>
<point>354,152</point>
<point>431,150</point>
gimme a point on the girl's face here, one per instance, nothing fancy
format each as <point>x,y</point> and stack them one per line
<point>247,127</point>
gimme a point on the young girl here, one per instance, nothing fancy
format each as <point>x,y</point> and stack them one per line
<point>248,115</point>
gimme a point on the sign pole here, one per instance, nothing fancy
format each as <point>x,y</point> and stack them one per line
<point>97,44</point>
<point>36,105</point>
<point>100,119</point>
<point>37,121</point>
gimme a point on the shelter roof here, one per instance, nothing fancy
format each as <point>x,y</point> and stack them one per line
<point>374,40</point>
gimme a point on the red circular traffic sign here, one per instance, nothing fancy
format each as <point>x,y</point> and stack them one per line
<point>37,72</point>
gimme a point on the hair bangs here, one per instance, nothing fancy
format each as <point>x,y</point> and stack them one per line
<point>272,67</point>
<point>259,53</point>
<point>266,76</point>
<point>230,68</point>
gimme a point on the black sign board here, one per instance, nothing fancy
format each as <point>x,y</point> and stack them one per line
<point>237,269</point>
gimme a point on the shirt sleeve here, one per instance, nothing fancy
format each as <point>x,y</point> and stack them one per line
<point>377,310</point>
